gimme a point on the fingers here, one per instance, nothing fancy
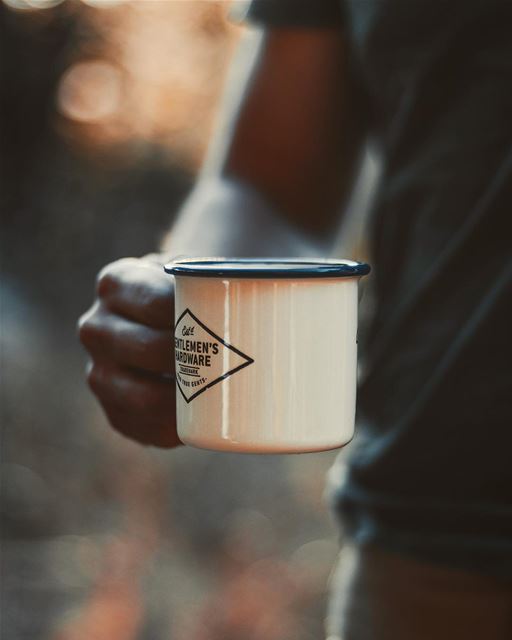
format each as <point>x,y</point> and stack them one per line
<point>130,324</point>
<point>139,290</point>
<point>140,407</point>
<point>111,337</point>
<point>128,334</point>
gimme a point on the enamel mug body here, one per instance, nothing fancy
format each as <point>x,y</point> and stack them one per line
<point>265,353</point>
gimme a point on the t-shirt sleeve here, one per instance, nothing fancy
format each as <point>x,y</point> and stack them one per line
<point>295,13</point>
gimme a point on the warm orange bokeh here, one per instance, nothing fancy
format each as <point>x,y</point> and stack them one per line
<point>155,77</point>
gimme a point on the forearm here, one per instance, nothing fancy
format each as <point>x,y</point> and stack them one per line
<point>228,217</point>
<point>279,162</point>
<point>224,214</point>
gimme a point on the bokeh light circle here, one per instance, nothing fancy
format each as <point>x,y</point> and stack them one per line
<point>90,91</point>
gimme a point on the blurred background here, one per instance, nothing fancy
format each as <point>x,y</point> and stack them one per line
<point>106,111</point>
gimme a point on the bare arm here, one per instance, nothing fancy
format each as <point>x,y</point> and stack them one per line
<point>285,151</point>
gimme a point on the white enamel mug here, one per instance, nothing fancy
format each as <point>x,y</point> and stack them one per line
<point>266,353</point>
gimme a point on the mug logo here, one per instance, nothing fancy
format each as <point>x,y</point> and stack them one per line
<point>202,357</point>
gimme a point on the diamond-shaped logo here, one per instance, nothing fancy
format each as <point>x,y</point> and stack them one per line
<point>203,358</point>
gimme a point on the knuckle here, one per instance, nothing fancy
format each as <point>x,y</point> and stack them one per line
<point>93,376</point>
<point>89,329</point>
<point>110,278</point>
<point>81,322</point>
<point>106,282</point>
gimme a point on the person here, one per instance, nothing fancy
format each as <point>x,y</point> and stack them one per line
<point>425,504</point>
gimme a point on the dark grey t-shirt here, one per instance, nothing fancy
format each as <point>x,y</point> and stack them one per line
<point>431,466</point>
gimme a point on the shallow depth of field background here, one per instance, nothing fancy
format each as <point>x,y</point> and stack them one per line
<point>106,112</point>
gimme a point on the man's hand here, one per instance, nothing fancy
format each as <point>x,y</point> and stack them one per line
<point>128,334</point>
